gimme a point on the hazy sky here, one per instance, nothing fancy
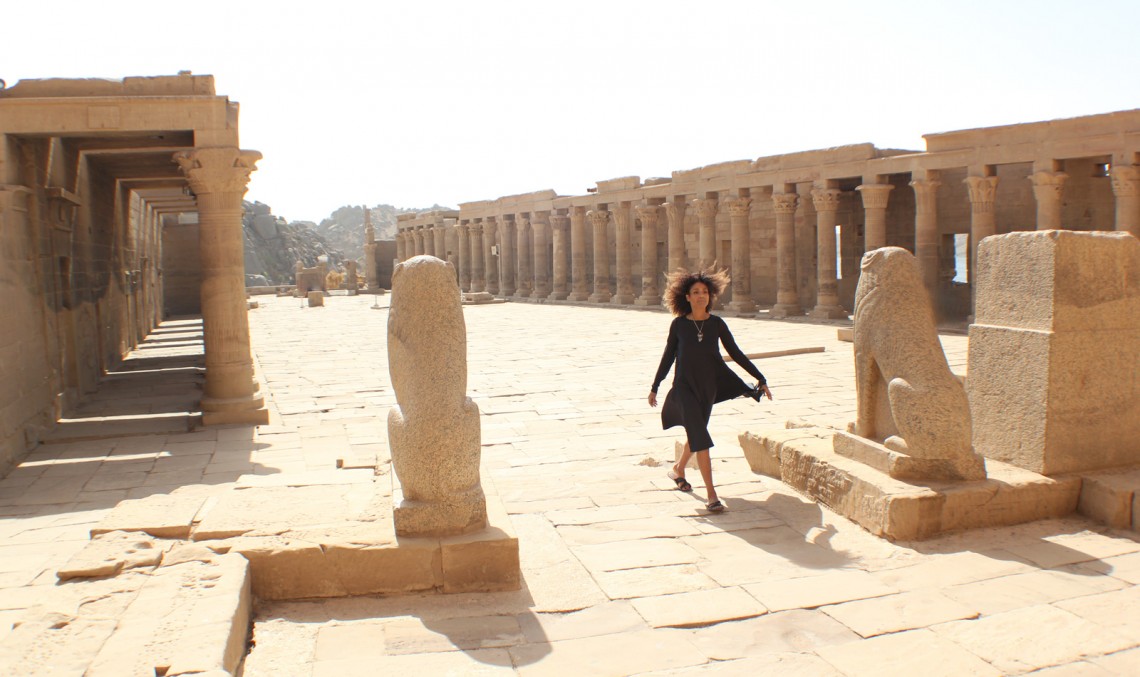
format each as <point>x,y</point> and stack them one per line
<point>419,102</point>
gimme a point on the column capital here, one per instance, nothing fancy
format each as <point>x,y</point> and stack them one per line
<point>924,188</point>
<point>785,203</point>
<point>217,170</point>
<point>598,217</point>
<point>1048,184</point>
<point>676,210</point>
<point>648,214</point>
<point>540,218</point>
<point>738,206</point>
<point>559,220</point>
<point>1125,181</point>
<point>706,207</point>
<point>875,195</point>
<point>825,199</point>
<point>982,189</point>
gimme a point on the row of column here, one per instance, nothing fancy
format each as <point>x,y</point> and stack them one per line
<point>524,270</point>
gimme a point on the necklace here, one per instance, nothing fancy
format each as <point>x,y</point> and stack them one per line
<point>700,329</point>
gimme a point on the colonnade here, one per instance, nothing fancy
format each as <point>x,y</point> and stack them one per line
<point>787,209</point>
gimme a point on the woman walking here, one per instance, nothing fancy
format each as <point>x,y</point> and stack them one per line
<point>701,378</point>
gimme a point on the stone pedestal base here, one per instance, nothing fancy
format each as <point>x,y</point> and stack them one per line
<point>249,411</point>
<point>558,296</point>
<point>460,514</point>
<point>904,467</point>
<point>600,297</point>
<point>785,310</point>
<point>316,298</point>
<point>578,297</point>
<point>828,313</point>
<point>647,301</point>
<point>746,307</point>
<point>803,459</point>
<point>622,299</point>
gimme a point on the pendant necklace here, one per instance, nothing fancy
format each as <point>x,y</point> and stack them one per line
<point>700,329</point>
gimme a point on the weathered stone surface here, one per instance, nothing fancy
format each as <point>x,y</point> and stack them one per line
<point>1110,497</point>
<point>433,431</point>
<point>1057,637</point>
<point>786,631</point>
<point>160,515</point>
<point>815,591</point>
<point>1067,304</point>
<point>904,611</point>
<point>276,510</point>
<point>907,397</point>
<point>698,608</point>
<point>316,298</point>
<point>603,619</point>
<point>916,652</point>
<point>624,654</point>
<point>109,553</point>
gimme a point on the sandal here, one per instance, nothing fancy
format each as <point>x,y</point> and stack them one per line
<point>715,506</point>
<point>681,482</point>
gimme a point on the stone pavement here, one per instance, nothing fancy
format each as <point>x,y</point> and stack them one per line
<point>622,574</point>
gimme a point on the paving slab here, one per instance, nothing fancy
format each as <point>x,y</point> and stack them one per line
<point>915,652</point>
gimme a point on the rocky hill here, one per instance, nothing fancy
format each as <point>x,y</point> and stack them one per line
<point>274,245</point>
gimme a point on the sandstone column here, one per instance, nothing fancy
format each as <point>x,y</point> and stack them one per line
<point>623,251</point>
<point>508,258</point>
<point>706,215</point>
<point>478,282</point>
<point>739,209</point>
<point>926,232</point>
<point>787,294</point>
<point>580,292</point>
<point>464,257</point>
<point>600,218</point>
<point>875,196</point>
<point>370,272</point>
<point>540,230</point>
<point>1048,188</point>
<point>982,225</point>
<point>1126,188</point>
<point>401,246</point>
<point>650,296</point>
<point>675,213</point>
<point>525,285</point>
<point>218,179</point>
<point>418,234</point>
<point>490,261</point>
<point>440,249</point>
<point>558,228</point>
<point>429,240</point>
<point>826,201</point>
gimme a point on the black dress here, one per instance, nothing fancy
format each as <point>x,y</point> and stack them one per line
<point>701,378</point>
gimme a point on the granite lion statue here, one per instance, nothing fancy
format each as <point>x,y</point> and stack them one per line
<point>907,397</point>
<point>433,430</point>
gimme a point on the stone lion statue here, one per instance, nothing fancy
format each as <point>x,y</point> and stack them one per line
<point>908,399</point>
<point>433,430</point>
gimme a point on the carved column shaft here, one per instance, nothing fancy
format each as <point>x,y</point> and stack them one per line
<point>623,249</point>
<point>982,190</point>
<point>600,218</point>
<point>418,234</point>
<point>706,216</point>
<point>1126,188</point>
<point>826,202</point>
<point>787,294</point>
<point>464,257</point>
<point>875,196</point>
<point>540,232</point>
<point>218,177</point>
<point>1048,188</point>
<point>401,246</point>
<point>508,258</point>
<point>558,227</point>
<point>478,282</point>
<point>490,261</point>
<point>525,285</point>
<point>580,291</point>
<point>649,273</point>
<point>739,210</point>
<point>926,231</point>
<point>675,212</point>
<point>440,249</point>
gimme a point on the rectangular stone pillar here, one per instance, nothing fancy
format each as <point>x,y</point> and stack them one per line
<point>1054,380</point>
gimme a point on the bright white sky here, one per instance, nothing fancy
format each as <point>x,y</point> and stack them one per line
<point>420,101</point>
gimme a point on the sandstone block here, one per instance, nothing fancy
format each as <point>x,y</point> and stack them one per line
<point>316,298</point>
<point>1067,306</point>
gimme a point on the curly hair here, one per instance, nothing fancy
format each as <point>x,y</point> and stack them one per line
<point>679,282</point>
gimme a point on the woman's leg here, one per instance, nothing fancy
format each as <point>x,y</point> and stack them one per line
<point>679,466</point>
<point>704,463</point>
